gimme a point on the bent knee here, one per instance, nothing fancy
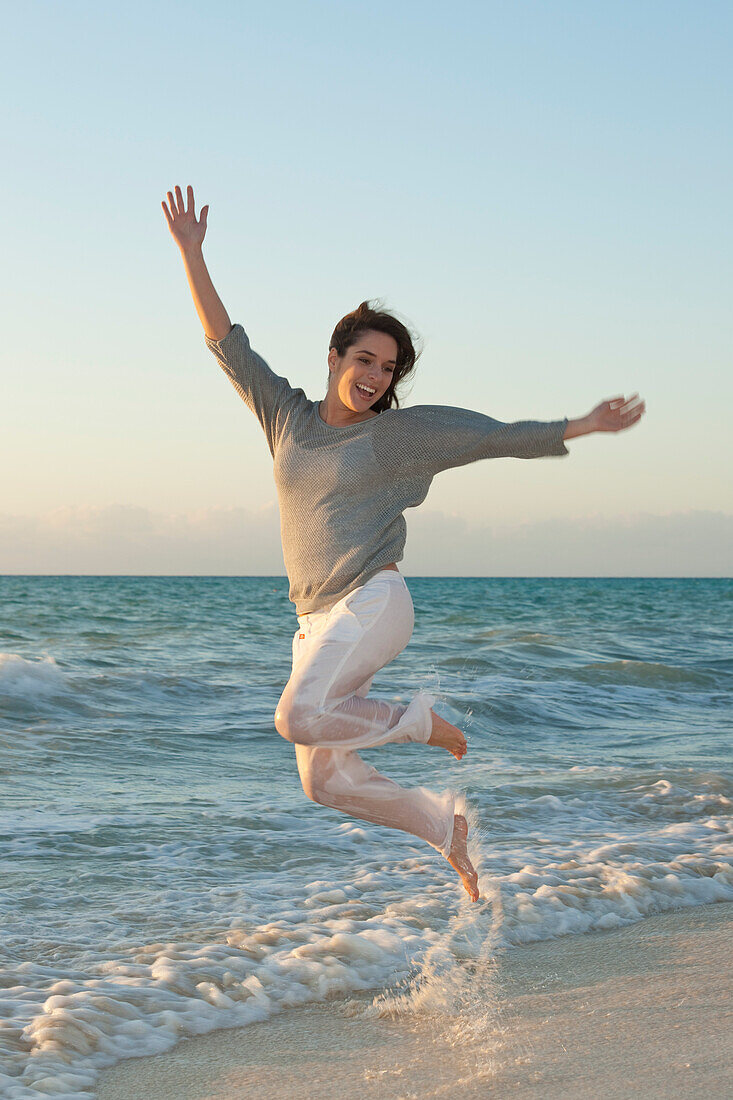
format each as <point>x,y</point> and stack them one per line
<point>313,790</point>
<point>313,768</point>
<point>294,721</point>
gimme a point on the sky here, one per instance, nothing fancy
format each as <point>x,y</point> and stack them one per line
<point>541,191</point>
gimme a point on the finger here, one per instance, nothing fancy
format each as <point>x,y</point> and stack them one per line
<point>190,209</point>
<point>179,200</point>
<point>204,215</point>
<point>168,218</point>
<point>172,204</point>
<point>631,418</point>
<point>622,405</point>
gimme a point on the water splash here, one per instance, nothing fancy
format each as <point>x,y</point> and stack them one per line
<point>455,994</point>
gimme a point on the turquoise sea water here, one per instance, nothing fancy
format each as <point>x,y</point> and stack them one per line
<point>163,873</point>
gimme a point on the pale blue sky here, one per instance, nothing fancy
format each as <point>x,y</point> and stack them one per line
<point>541,189</point>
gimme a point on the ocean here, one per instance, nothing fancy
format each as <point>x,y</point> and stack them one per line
<point>164,875</point>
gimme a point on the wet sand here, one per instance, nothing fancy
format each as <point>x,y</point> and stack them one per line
<point>643,1011</point>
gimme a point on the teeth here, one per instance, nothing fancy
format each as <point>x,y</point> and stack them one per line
<point>365,388</point>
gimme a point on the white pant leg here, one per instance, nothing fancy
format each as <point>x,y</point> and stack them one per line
<point>327,662</point>
<point>340,779</point>
<point>334,653</point>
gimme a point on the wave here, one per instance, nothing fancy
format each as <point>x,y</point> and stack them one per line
<point>28,679</point>
<point>643,672</point>
<point>151,996</point>
<point>337,936</point>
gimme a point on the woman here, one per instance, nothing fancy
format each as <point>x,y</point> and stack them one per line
<point>346,468</point>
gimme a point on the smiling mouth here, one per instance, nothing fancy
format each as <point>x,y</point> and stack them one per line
<point>365,391</point>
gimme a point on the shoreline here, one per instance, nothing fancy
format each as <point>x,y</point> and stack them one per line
<point>645,1010</point>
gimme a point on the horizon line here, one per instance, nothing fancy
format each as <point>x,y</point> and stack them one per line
<point>414,576</point>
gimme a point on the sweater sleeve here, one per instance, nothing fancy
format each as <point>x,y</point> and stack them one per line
<point>426,439</point>
<point>270,397</point>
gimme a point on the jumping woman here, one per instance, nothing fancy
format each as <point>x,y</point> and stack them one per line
<point>346,468</point>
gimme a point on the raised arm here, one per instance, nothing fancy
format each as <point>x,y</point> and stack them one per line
<point>188,233</point>
<point>271,398</point>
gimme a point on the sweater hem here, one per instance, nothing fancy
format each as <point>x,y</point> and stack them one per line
<point>325,603</point>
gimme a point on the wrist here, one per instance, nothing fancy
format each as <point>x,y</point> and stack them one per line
<point>583,425</point>
<point>191,251</point>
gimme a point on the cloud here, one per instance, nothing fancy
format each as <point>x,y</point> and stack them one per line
<point>683,544</point>
<point>236,541</point>
<point>128,539</point>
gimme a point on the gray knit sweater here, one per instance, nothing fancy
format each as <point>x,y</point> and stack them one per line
<point>342,491</point>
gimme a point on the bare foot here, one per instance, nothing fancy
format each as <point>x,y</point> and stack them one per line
<point>458,857</point>
<point>447,736</point>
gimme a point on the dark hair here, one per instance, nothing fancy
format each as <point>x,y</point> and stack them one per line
<point>367,319</point>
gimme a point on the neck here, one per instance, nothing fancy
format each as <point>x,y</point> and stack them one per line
<point>335,413</point>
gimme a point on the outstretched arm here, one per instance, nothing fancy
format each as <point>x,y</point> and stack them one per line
<point>426,439</point>
<point>188,233</point>
<point>614,415</point>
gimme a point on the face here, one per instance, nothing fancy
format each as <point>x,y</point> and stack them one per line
<point>365,371</point>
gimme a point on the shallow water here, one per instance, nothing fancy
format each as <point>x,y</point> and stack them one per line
<point>164,874</point>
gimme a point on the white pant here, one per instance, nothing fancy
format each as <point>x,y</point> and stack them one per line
<point>325,713</point>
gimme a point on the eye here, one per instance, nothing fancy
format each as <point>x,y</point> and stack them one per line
<point>363,360</point>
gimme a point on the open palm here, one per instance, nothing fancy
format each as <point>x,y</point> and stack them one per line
<point>187,231</point>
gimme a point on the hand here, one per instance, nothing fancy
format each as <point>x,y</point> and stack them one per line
<point>187,232</point>
<point>616,415</point>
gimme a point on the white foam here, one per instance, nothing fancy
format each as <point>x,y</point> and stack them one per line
<point>29,679</point>
<point>591,855</point>
<point>146,1001</point>
<point>405,924</point>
